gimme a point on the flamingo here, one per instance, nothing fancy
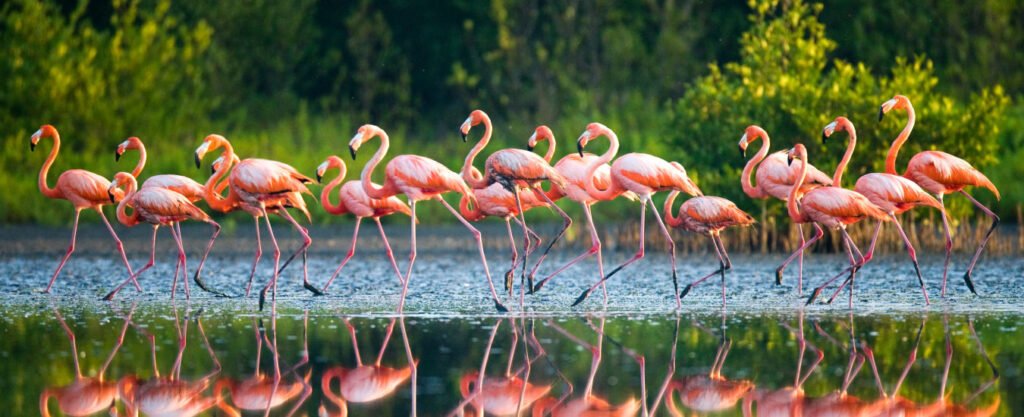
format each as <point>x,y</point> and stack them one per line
<point>775,176</point>
<point>180,184</point>
<point>353,199</point>
<point>787,401</point>
<point>419,178</point>
<point>573,168</point>
<point>708,216</point>
<point>643,174</point>
<point>365,383</point>
<point>894,404</point>
<point>85,190</point>
<point>940,173</point>
<point>512,168</point>
<point>891,193</point>
<point>86,395</point>
<point>832,207</point>
<point>261,186</point>
<point>840,402</point>
<point>158,207</point>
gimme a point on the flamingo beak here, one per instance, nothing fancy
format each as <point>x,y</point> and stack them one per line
<point>465,136</point>
<point>318,177</point>
<point>198,159</point>
<point>352,151</point>
<point>529,148</point>
<point>743,151</point>
<point>579,147</point>
<point>790,157</point>
<point>881,113</point>
<point>32,147</point>
<point>213,170</point>
<point>111,195</point>
<point>117,155</point>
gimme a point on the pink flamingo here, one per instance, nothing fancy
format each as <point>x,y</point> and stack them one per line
<point>832,207</point>
<point>85,190</point>
<point>180,184</point>
<point>260,187</point>
<point>891,193</point>
<point>940,173</point>
<point>366,383</point>
<point>353,199</point>
<point>496,201</point>
<point>573,168</point>
<point>512,168</point>
<point>707,215</point>
<point>643,174</point>
<point>419,178</point>
<point>158,207</point>
<point>775,176</point>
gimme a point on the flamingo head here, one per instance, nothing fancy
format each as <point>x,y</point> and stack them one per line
<point>750,134</point>
<point>331,162</point>
<point>210,142</point>
<point>896,102</point>
<point>541,133</point>
<point>121,179</point>
<point>130,143</point>
<point>593,131</point>
<point>798,152</point>
<point>476,117</point>
<point>839,124</point>
<point>44,131</point>
<point>363,134</point>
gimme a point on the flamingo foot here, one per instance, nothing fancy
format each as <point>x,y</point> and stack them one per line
<point>686,290</point>
<point>814,295</point>
<point>202,285</point>
<point>263,297</point>
<point>969,282</point>
<point>501,308</point>
<point>316,291</point>
<point>778,276</point>
<point>582,297</point>
<point>529,283</point>
<point>509,276</point>
<point>110,296</point>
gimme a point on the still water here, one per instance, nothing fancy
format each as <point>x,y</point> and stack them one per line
<point>185,361</point>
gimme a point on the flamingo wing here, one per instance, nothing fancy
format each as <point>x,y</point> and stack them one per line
<point>425,174</point>
<point>845,206</point>
<point>84,185</point>
<point>261,176</point>
<point>715,212</point>
<point>180,184</point>
<point>894,193</point>
<point>521,164</point>
<point>166,203</point>
<point>941,172</point>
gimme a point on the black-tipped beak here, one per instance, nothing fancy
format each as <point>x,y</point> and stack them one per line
<point>318,177</point>
<point>111,195</point>
<point>529,148</point>
<point>352,151</point>
<point>579,148</point>
<point>117,156</point>
<point>32,147</point>
<point>743,151</point>
<point>199,161</point>
<point>212,170</point>
<point>465,136</point>
<point>790,158</point>
<point>824,137</point>
<point>881,114</point>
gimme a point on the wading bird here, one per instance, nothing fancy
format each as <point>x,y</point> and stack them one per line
<point>708,216</point>
<point>366,383</point>
<point>353,199</point>
<point>85,190</point>
<point>940,173</point>
<point>644,175</point>
<point>180,184</point>
<point>891,193</point>
<point>158,207</point>
<point>831,207</point>
<point>573,168</point>
<point>514,169</point>
<point>775,176</point>
<point>260,187</point>
<point>419,178</point>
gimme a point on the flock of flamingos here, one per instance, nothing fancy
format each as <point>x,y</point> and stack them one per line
<point>510,184</point>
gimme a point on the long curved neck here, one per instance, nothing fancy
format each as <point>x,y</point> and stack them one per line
<point>325,194</point>
<point>673,221</point>
<point>794,193</point>
<point>837,177</point>
<point>467,166</point>
<point>551,149</point>
<point>122,207</point>
<point>142,161</point>
<point>212,190</point>
<point>890,159</point>
<point>372,190</point>
<point>43,188</point>
<point>613,189</point>
<point>748,170</point>
<point>470,213</point>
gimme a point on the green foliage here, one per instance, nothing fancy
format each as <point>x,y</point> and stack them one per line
<point>785,82</point>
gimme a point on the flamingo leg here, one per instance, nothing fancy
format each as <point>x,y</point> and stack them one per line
<point>355,342</point>
<point>306,242</point>
<point>595,248</point>
<point>388,251</point>
<point>256,260</point>
<point>152,260</point>
<point>196,278</point>
<point>412,254</point>
<point>874,240</point>
<point>67,254</point>
<point>277,261</point>
<point>721,268</point>
<point>348,256</point>
<point>566,223</point>
<point>483,256</point>
<point>818,233</point>
<point>728,263</point>
<point>851,270</point>
<point>177,263</point>
<point>182,264</point>
<point>984,241</point>
<point>949,243</point>
<point>800,263</point>
<point>913,256</point>
<point>515,256</point>
<point>672,253</point>
<point>120,248</point>
<point>639,254</point>
<point>72,340</point>
<point>387,340</point>
<point>854,265</point>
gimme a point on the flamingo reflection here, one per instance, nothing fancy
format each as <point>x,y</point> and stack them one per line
<point>169,395</point>
<point>588,404</point>
<point>86,395</point>
<point>261,392</point>
<point>840,402</point>
<point>508,394</point>
<point>787,401</point>
<point>367,383</point>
